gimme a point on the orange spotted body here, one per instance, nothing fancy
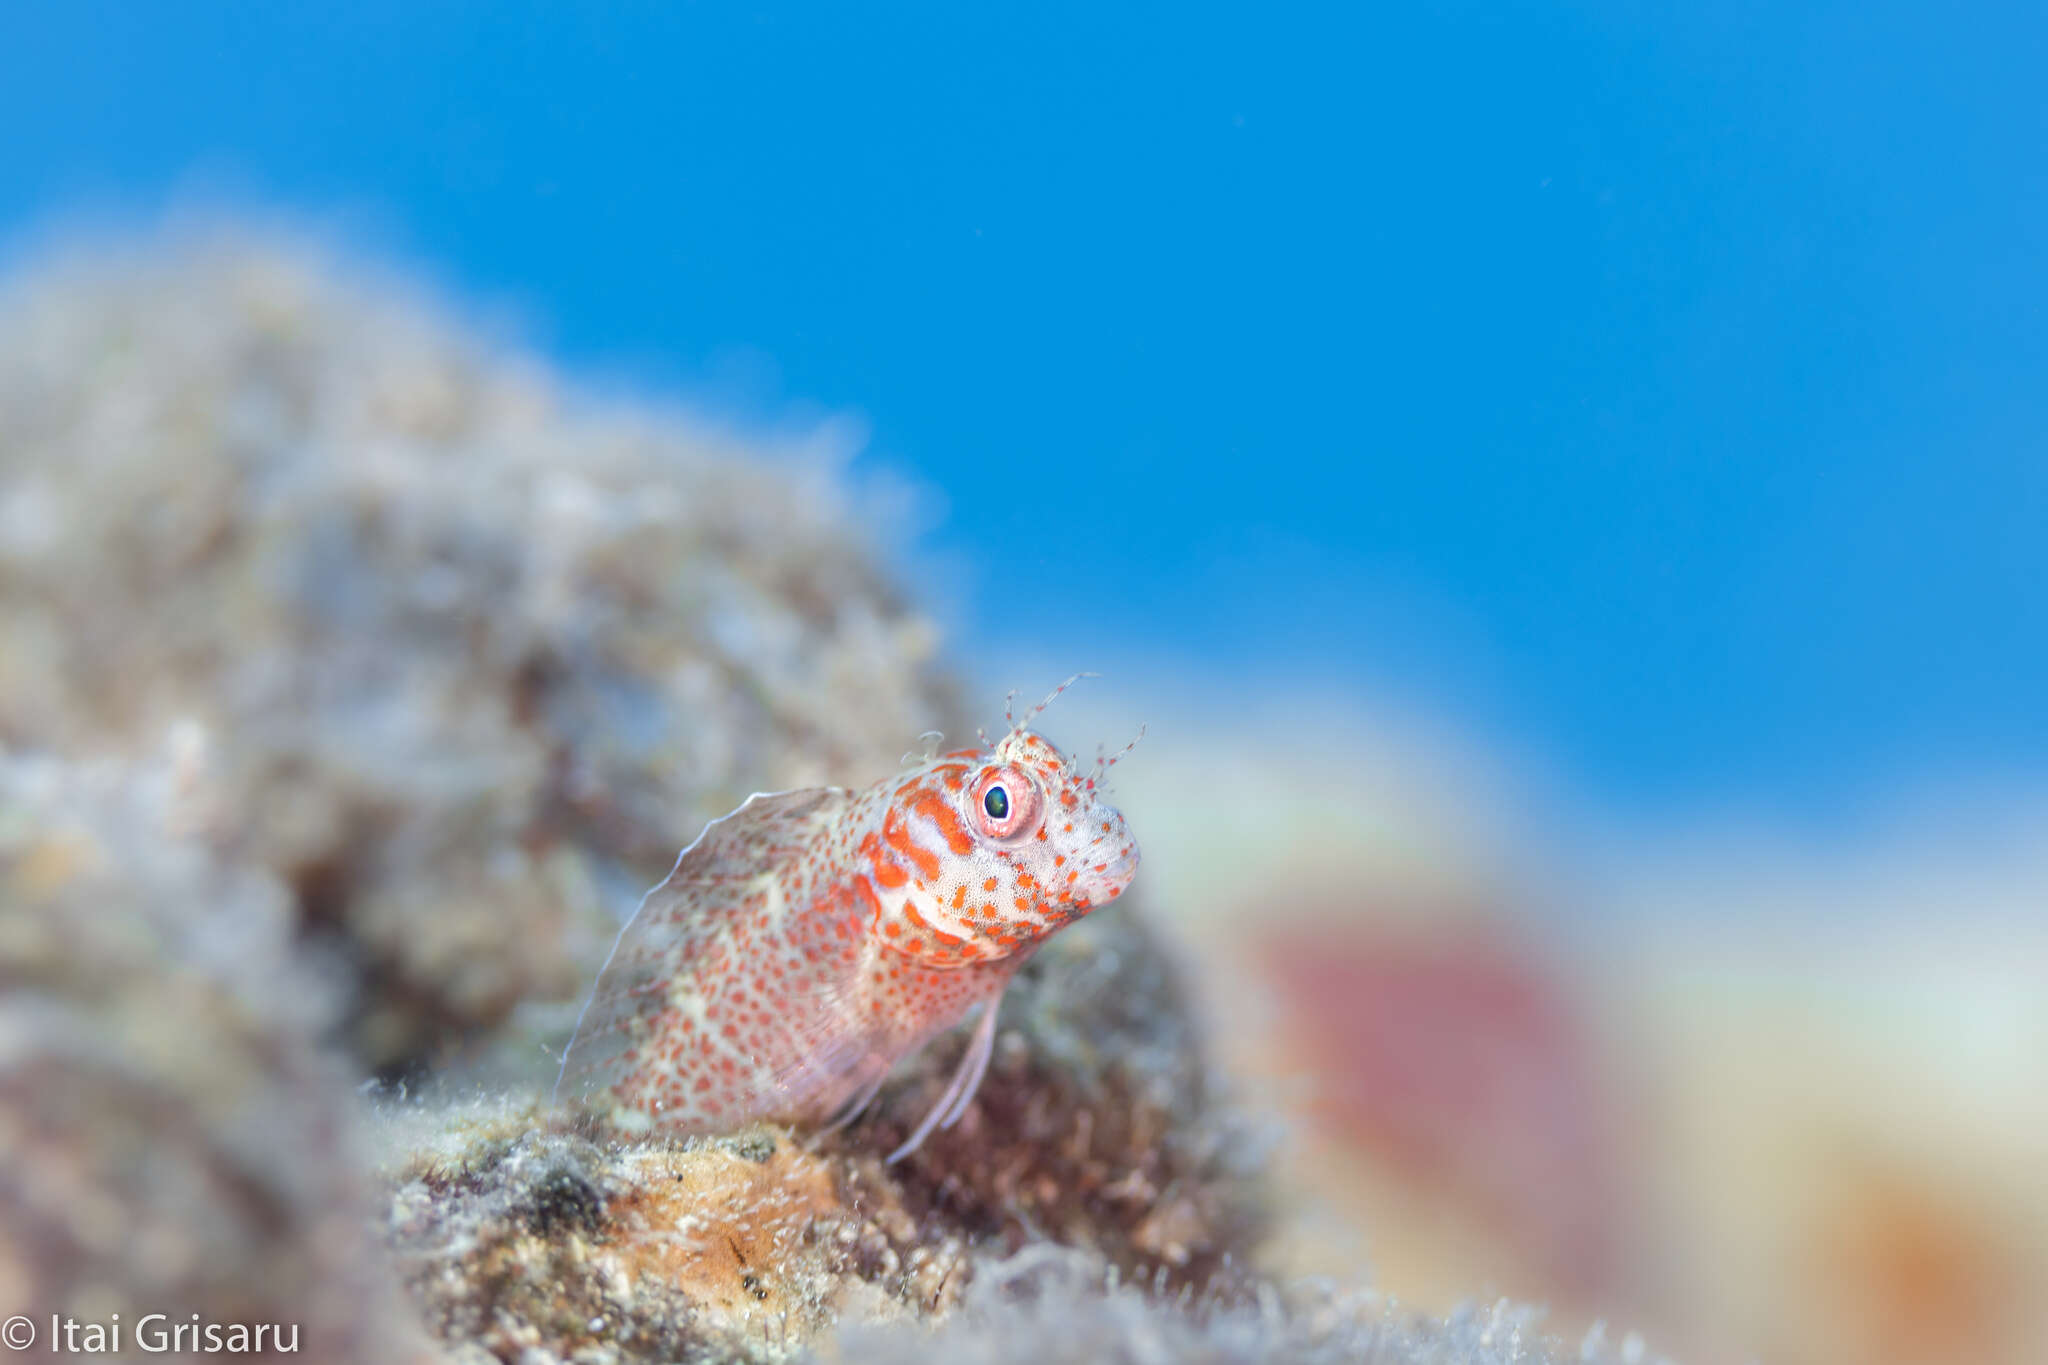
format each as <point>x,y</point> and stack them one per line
<point>811,939</point>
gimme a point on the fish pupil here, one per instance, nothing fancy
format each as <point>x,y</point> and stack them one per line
<point>996,803</point>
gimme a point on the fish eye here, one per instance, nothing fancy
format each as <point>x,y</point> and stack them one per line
<point>1005,803</point>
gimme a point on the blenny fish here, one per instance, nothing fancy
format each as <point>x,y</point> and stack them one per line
<point>811,939</point>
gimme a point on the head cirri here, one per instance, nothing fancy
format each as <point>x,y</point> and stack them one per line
<point>980,853</point>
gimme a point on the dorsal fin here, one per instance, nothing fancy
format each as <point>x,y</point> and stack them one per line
<point>681,919</point>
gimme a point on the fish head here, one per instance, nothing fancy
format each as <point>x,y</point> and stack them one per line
<point>983,852</point>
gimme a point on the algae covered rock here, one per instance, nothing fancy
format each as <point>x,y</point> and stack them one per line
<point>1051,1304</point>
<point>172,1139</point>
<point>476,652</point>
<point>1099,1202</point>
<point>1095,1130</point>
<point>1099,1126</point>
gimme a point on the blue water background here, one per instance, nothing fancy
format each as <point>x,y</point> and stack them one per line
<point>1663,386</point>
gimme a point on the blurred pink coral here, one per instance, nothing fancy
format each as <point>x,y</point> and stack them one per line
<point>1465,1063</point>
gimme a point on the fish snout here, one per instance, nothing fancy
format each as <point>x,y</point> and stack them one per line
<point>1110,863</point>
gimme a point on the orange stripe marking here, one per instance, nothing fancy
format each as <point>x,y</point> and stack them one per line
<point>940,812</point>
<point>899,839</point>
